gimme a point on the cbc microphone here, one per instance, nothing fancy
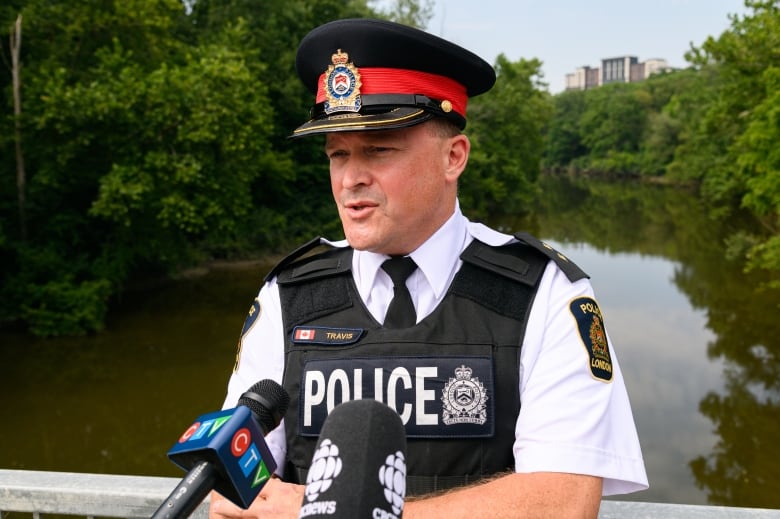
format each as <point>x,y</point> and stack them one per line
<point>225,451</point>
<point>359,467</point>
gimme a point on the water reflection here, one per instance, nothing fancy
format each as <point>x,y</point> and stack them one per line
<point>744,317</point>
<point>661,343</point>
<point>115,402</point>
<point>698,341</point>
<point>698,338</point>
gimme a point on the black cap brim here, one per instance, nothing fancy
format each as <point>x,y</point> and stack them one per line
<point>395,118</point>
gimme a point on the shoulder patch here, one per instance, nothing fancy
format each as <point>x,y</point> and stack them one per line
<point>590,325</point>
<point>254,312</point>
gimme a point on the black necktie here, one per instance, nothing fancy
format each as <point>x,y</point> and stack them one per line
<point>401,312</point>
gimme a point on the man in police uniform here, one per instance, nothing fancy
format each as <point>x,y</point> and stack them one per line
<point>498,362</point>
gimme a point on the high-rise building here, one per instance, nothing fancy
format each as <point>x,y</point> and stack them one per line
<point>622,69</point>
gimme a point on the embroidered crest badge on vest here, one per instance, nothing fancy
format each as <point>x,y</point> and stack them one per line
<point>464,399</point>
<point>590,324</point>
<point>342,85</point>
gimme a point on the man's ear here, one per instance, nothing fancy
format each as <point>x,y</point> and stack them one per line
<point>458,155</point>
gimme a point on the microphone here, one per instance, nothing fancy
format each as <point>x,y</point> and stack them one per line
<point>358,469</point>
<point>225,451</point>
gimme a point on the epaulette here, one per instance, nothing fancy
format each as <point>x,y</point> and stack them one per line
<point>507,261</point>
<point>300,265</point>
<point>572,271</point>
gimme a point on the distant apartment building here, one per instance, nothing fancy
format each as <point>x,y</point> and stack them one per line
<point>622,69</point>
<point>583,78</point>
<point>617,70</point>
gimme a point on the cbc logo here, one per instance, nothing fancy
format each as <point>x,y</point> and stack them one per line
<point>325,467</point>
<point>392,475</point>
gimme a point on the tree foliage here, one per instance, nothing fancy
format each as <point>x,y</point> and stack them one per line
<point>564,136</point>
<point>742,116</point>
<point>155,136</point>
<point>506,128</point>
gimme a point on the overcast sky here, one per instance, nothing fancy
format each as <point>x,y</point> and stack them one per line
<point>566,34</point>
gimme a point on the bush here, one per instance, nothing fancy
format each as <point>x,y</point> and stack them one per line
<point>66,307</point>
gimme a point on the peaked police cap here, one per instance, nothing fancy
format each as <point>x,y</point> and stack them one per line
<point>372,74</point>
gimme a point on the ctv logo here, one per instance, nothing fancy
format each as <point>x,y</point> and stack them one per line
<point>198,430</point>
<point>232,441</point>
<point>243,448</point>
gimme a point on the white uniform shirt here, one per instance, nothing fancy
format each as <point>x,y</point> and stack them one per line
<point>569,421</point>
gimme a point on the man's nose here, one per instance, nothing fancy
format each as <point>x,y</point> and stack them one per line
<point>356,172</point>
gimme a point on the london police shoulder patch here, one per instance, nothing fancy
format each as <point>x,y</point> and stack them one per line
<point>254,312</point>
<point>590,324</point>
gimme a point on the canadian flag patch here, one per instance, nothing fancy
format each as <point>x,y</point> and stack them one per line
<point>304,334</point>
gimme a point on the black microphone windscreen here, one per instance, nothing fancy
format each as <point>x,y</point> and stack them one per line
<point>359,466</point>
<point>268,402</point>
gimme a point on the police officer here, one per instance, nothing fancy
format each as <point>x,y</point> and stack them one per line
<point>490,346</point>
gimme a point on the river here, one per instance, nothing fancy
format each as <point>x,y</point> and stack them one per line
<point>697,339</point>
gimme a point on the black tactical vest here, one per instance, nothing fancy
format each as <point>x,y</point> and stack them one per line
<point>453,377</point>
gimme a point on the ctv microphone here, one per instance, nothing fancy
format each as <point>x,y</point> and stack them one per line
<point>359,467</point>
<point>225,451</point>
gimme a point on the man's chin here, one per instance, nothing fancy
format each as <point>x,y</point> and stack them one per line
<point>361,247</point>
<point>363,243</point>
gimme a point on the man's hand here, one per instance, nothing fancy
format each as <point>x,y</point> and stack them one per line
<point>277,500</point>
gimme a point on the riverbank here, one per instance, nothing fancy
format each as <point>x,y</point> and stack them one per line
<point>660,180</point>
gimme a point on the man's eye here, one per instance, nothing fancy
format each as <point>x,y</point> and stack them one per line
<point>335,154</point>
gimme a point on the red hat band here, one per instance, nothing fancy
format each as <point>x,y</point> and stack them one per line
<point>376,80</point>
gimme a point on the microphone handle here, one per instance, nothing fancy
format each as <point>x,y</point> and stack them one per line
<point>188,494</point>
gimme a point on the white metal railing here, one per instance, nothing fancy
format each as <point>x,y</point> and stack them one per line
<point>88,495</point>
<point>100,495</point>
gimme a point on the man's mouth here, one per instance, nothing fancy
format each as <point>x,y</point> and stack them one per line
<point>358,207</point>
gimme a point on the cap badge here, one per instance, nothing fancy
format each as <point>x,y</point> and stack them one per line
<point>342,85</point>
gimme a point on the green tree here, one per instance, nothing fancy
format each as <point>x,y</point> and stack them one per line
<point>564,136</point>
<point>506,128</point>
<point>612,127</point>
<point>143,156</point>
<point>662,133</point>
<point>759,167</point>
<point>731,146</point>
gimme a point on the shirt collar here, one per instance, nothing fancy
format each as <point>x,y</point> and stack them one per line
<point>436,258</point>
<point>439,257</point>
